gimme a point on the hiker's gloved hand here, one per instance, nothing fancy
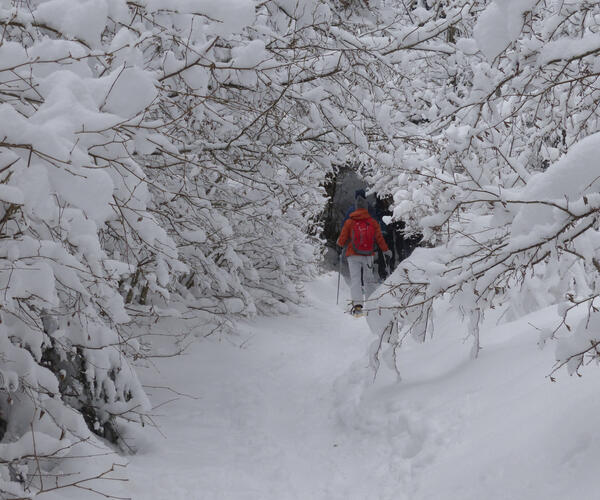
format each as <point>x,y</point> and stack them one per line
<point>338,249</point>
<point>388,256</point>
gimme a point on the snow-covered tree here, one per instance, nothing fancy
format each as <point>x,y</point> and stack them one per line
<point>504,181</point>
<point>256,121</point>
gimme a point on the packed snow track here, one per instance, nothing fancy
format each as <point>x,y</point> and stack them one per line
<point>289,409</point>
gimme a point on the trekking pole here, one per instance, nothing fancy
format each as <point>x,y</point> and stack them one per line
<point>337,299</point>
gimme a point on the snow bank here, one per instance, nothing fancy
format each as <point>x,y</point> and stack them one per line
<point>294,411</point>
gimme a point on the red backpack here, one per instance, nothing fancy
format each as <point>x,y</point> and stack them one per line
<point>363,237</point>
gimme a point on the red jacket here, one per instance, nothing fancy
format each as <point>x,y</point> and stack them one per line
<point>359,214</point>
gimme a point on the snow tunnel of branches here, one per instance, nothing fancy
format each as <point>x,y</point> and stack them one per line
<point>341,190</point>
<point>168,169</point>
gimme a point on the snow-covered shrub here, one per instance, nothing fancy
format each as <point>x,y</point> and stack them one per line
<point>70,192</point>
<point>501,173</point>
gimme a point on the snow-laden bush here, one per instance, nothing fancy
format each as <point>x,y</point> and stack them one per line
<point>504,179</point>
<point>160,157</point>
<point>63,364</point>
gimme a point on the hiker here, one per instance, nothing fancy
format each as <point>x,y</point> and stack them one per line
<point>359,235</point>
<point>384,266</point>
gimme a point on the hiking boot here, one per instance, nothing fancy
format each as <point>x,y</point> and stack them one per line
<point>357,310</point>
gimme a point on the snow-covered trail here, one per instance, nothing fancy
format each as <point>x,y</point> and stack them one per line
<point>265,424</point>
<point>287,410</point>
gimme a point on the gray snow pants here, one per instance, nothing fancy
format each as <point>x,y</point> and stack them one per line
<point>362,280</point>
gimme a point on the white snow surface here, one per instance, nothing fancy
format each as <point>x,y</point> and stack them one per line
<point>288,408</point>
<point>500,24</point>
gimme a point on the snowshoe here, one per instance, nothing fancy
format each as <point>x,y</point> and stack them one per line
<point>357,311</point>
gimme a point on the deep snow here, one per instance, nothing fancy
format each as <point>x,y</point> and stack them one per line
<point>288,409</point>
<point>265,424</point>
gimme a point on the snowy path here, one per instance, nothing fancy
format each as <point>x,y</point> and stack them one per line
<point>287,410</point>
<point>265,425</point>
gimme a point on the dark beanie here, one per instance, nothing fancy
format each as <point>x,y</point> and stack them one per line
<point>360,192</point>
<point>361,202</point>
